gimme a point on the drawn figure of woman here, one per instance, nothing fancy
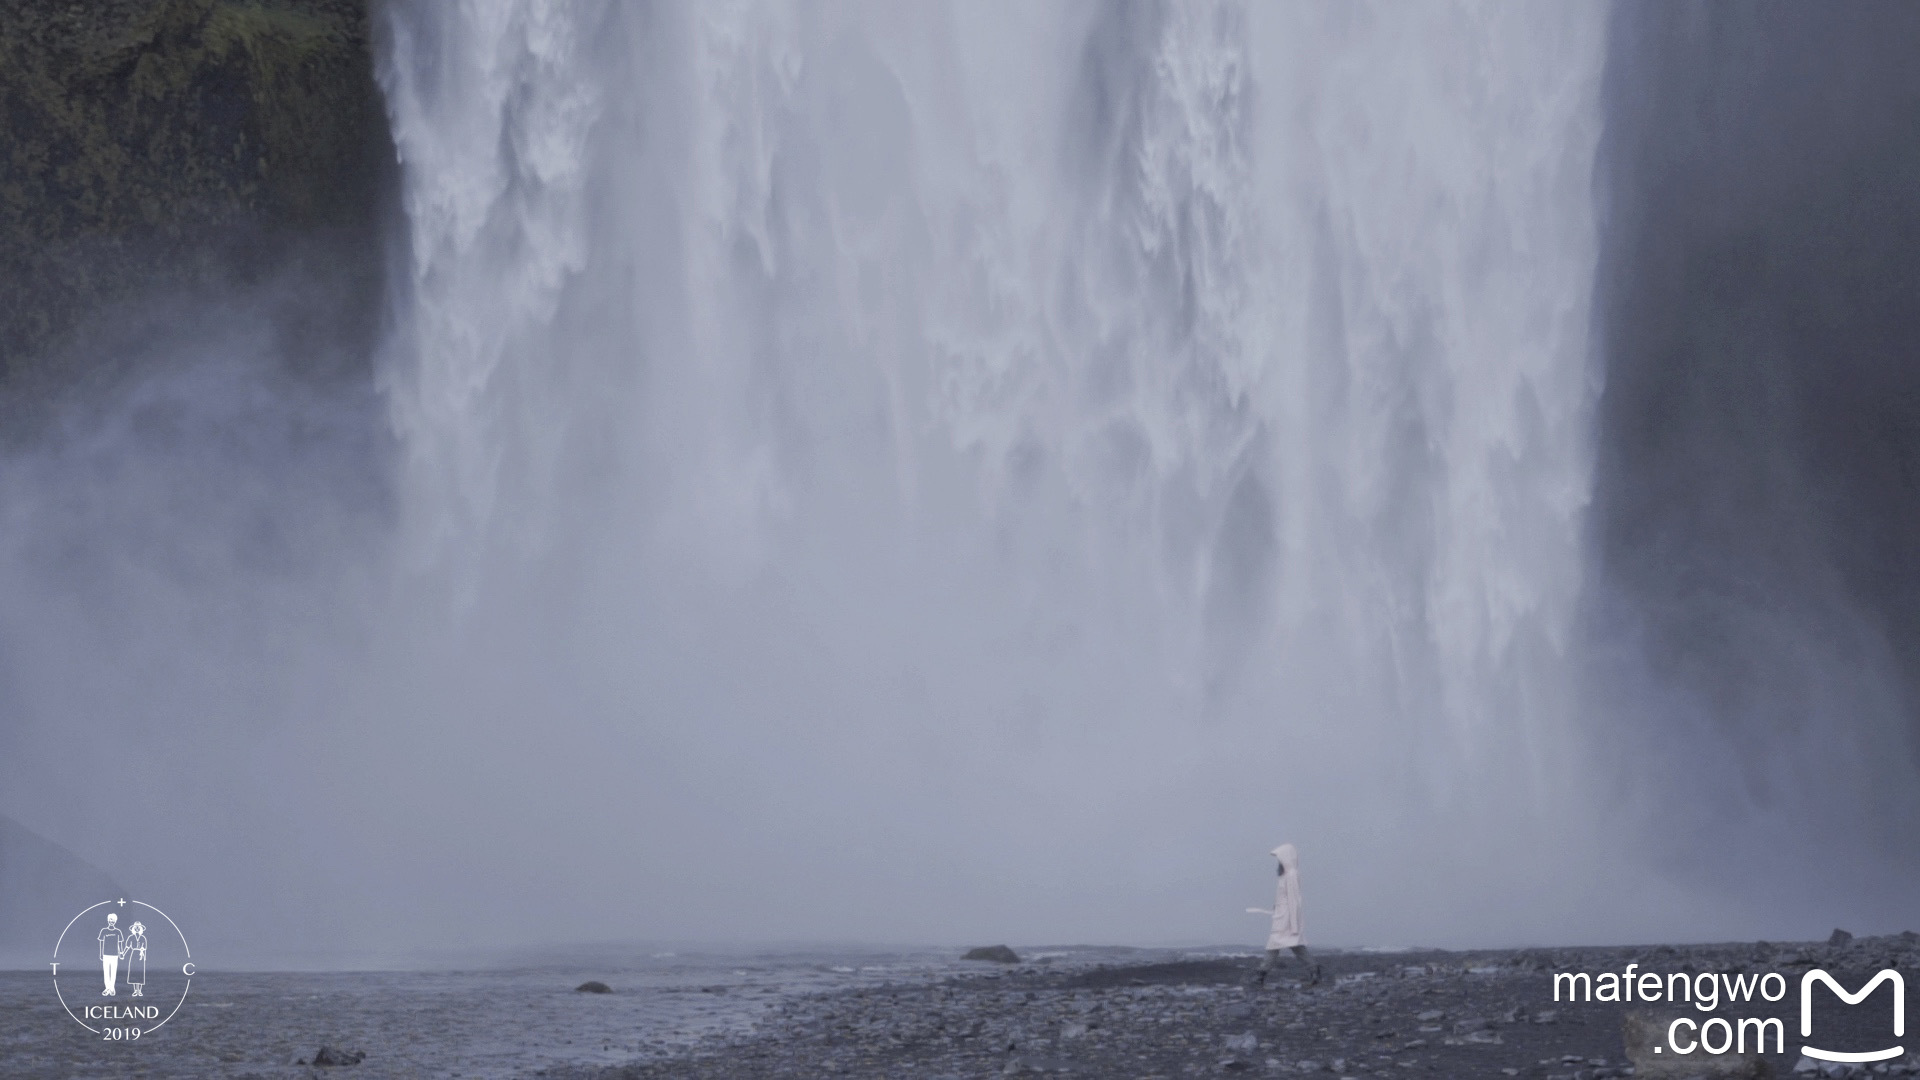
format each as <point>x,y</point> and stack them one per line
<point>136,946</point>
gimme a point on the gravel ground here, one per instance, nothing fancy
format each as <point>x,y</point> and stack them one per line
<point>1447,1014</point>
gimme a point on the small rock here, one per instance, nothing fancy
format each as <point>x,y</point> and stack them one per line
<point>1838,938</point>
<point>998,954</point>
<point>1429,1016</point>
<point>1484,1036</point>
<point>329,1056</point>
<point>1806,1065</point>
<point>1546,1016</point>
<point>1643,1035</point>
<point>1235,1065</point>
<point>1243,1044</point>
<point>593,986</point>
<point>1073,1031</point>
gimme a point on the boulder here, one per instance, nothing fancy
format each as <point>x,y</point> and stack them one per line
<point>1645,1037</point>
<point>1838,938</point>
<point>998,954</point>
<point>329,1056</point>
<point>593,986</point>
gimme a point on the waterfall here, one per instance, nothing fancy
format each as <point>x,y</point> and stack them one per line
<point>977,471</point>
<point>1026,453</point>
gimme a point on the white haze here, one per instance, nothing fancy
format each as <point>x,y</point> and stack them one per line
<point>942,473</point>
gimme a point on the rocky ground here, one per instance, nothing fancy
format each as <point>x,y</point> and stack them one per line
<point>1448,1014</point>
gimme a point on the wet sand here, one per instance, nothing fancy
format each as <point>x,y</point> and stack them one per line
<point>501,1022</point>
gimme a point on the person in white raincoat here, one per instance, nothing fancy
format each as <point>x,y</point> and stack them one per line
<point>1286,932</point>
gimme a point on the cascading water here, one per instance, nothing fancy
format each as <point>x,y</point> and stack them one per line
<point>1020,455</point>
<point>967,472</point>
<point>975,471</point>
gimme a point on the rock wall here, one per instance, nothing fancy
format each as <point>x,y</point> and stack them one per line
<point>165,145</point>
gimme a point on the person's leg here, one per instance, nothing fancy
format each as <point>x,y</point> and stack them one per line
<point>1267,964</point>
<point>1313,969</point>
<point>109,972</point>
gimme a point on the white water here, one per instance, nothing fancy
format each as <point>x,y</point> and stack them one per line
<point>1032,456</point>
<point>937,473</point>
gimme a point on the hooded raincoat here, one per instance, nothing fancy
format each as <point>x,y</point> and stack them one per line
<point>1286,902</point>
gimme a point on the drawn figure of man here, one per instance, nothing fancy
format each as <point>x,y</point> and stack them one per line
<point>112,946</point>
<point>136,949</point>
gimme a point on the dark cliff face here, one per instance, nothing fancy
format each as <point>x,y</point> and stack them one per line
<point>1757,500</point>
<point>181,147</point>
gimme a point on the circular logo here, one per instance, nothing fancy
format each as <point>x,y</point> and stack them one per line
<point>132,979</point>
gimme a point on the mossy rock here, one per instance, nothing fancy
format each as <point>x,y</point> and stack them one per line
<point>176,143</point>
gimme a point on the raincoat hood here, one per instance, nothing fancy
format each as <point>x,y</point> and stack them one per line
<point>1288,855</point>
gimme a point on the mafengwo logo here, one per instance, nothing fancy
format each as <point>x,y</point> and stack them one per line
<point>122,972</point>
<point>1707,991</point>
<point>1807,982</point>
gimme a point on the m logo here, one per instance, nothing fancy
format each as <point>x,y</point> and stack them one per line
<point>1899,1013</point>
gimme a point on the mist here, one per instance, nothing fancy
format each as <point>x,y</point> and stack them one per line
<point>975,472</point>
